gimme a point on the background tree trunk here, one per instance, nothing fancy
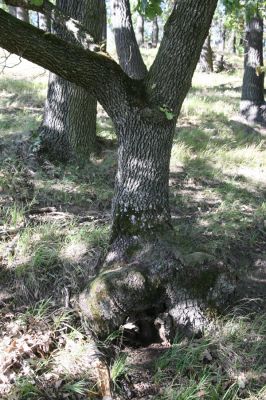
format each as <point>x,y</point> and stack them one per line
<point>252,105</point>
<point>140,30</point>
<point>155,32</point>
<point>12,11</point>
<point>44,22</point>
<point>206,56</point>
<point>69,123</point>
<point>125,40</point>
<point>23,14</point>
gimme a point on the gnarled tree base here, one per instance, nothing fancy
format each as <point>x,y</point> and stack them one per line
<point>154,290</point>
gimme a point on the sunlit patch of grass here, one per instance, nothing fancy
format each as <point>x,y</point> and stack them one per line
<point>15,93</point>
<point>25,388</point>
<point>227,363</point>
<point>92,236</point>
<point>13,215</point>
<point>119,368</point>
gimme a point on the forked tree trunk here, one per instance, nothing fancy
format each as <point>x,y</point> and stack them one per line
<point>206,57</point>
<point>125,40</point>
<point>140,30</point>
<point>155,32</point>
<point>23,14</point>
<point>69,123</point>
<point>252,105</point>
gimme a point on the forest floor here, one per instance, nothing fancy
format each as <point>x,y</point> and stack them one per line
<point>54,227</point>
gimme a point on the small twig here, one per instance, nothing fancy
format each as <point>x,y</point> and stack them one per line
<point>4,63</point>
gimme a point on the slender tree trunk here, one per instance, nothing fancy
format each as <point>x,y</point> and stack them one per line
<point>23,14</point>
<point>12,11</point>
<point>69,124</point>
<point>140,30</point>
<point>44,22</point>
<point>252,105</point>
<point>155,32</point>
<point>125,40</point>
<point>234,44</point>
<point>206,56</point>
<point>223,39</point>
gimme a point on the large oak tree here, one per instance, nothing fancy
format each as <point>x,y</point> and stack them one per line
<point>143,274</point>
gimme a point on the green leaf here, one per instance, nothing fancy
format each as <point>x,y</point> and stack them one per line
<point>169,115</point>
<point>167,112</point>
<point>37,3</point>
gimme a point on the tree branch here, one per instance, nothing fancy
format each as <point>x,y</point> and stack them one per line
<point>81,34</point>
<point>170,76</point>
<point>97,72</point>
<point>127,47</point>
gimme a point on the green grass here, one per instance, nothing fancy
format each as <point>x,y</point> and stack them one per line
<point>228,363</point>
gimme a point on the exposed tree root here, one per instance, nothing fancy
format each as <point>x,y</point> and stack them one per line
<point>158,293</point>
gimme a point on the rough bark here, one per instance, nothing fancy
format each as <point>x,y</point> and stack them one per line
<point>140,30</point>
<point>144,275</point>
<point>23,14</point>
<point>75,29</point>
<point>252,105</point>
<point>127,47</point>
<point>206,57</point>
<point>155,32</point>
<point>69,123</point>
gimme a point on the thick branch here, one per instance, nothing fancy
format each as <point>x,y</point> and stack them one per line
<point>93,71</point>
<point>82,35</point>
<point>127,47</point>
<point>169,78</point>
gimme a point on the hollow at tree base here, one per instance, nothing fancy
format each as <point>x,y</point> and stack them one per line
<point>157,292</point>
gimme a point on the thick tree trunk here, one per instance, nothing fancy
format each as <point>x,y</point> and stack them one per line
<point>206,57</point>
<point>69,124</point>
<point>44,22</point>
<point>141,201</point>
<point>144,279</point>
<point>23,14</point>
<point>155,32</point>
<point>252,105</point>
<point>125,40</point>
<point>140,30</point>
<point>12,11</point>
